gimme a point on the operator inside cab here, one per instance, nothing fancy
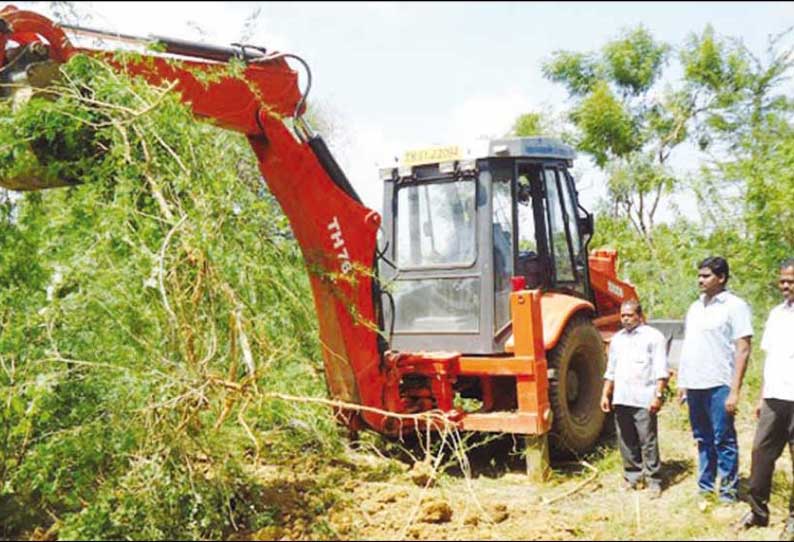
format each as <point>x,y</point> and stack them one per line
<point>528,263</point>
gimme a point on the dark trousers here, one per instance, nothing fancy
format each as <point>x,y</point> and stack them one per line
<point>775,429</point>
<point>715,433</point>
<point>639,444</point>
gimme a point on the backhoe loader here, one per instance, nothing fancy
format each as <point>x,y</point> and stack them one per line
<point>479,302</point>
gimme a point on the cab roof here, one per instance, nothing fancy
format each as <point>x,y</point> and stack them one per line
<point>531,147</point>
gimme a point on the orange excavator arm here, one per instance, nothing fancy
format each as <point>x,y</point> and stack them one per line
<point>336,232</point>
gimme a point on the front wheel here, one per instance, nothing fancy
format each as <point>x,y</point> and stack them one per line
<point>576,367</point>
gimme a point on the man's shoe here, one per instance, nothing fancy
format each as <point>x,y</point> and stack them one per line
<point>788,530</point>
<point>750,520</point>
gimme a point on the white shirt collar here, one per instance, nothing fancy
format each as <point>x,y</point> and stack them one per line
<point>719,298</point>
<point>634,331</point>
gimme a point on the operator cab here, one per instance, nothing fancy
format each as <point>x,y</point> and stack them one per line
<point>459,229</point>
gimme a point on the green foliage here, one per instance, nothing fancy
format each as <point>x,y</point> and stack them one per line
<point>608,130</point>
<point>731,98</point>
<point>579,72</point>
<point>147,316</point>
<point>705,63</point>
<point>734,92</point>
<point>769,178</point>
<point>665,281</point>
<point>529,124</point>
<point>634,61</point>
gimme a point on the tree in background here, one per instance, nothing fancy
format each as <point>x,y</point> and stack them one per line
<point>627,127</point>
<point>743,121</point>
<point>733,107</point>
<point>735,94</point>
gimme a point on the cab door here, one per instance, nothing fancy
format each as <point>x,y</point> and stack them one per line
<point>567,245</point>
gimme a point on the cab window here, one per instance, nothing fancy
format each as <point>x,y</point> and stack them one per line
<point>557,228</point>
<point>436,224</point>
<point>502,202</point>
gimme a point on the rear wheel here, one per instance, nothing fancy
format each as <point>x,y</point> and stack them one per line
<point>576,368</point>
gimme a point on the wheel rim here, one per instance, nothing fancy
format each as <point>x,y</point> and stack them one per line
<point>572,387</point>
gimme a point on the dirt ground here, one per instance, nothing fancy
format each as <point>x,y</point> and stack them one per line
<point>495,501</point>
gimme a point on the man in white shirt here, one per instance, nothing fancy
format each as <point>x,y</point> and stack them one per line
<point>634,385</point>
<point>775,410</point>
<point>718,332</point>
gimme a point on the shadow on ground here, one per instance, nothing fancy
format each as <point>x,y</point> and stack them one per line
<point>675,470</point>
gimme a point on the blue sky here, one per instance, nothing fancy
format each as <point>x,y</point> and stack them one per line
<point>393,76</point>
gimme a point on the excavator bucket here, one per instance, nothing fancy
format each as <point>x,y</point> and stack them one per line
<point>27,74</point>
<point>35,175</point>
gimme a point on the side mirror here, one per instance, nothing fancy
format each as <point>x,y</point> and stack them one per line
<point>586,225</point>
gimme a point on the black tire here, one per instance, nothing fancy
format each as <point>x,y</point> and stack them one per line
<point>576,368</point>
